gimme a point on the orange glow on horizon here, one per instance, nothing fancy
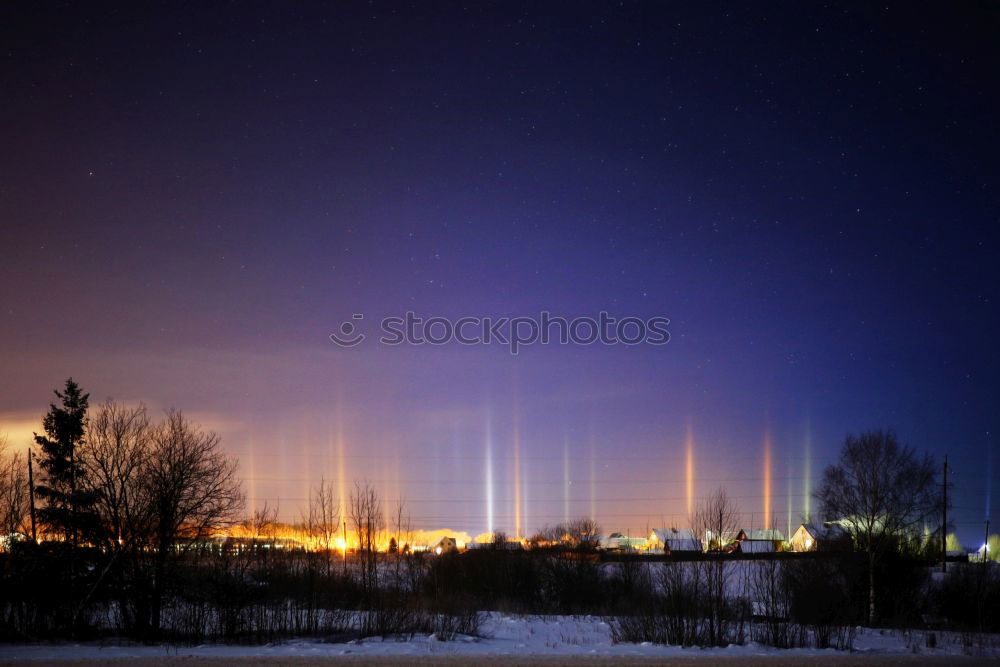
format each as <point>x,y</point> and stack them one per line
<point>295,536</point>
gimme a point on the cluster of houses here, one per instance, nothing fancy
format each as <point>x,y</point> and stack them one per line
<point>668,541</point>
<point>807,537</point>
<point>813,536</point>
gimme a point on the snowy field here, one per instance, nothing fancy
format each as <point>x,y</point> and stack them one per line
<point>523,638</point>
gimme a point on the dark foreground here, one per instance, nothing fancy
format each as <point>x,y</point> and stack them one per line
<point>555,661</point>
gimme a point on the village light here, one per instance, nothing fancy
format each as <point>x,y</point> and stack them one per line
<point>809,543</point>
<point>437,550</point>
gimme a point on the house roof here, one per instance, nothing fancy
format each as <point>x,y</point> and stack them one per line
<point>772,535</point>
<point>678,540</point>
<point>673,534</point>
<point>618,538</point>
<point>825,531</point>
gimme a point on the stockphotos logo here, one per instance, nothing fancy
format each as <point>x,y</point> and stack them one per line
<point>512,332</point>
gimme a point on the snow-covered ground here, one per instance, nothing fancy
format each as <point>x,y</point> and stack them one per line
<point>504,635</point>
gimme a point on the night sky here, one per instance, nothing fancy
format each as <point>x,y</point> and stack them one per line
<point>193,196</point>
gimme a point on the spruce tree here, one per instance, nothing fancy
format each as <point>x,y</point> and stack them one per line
<point>68,506</point>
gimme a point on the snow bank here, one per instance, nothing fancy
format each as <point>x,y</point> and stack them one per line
<point>505,635</point>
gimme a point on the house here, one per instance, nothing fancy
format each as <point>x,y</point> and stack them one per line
<point>446,545</point>
<point>819,537</point>
<point>723,543</point>
<point>758,542</point>
<point>986,552</point>
<point>672,540</point>
<point>619,542</point>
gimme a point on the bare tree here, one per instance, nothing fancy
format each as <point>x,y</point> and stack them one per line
<point>261,527</point>
<point>368,521</point>
<point>400,537</point>
<point>194,493</point>
<point>769,590</point>
<point>584,533</point>
<point>880,492</point>
<point>120,439</point>
<point>716,522</point>
<point>548,536</point>
<point>322,521</point>
<point>14,494</point>
<point>500,541</point>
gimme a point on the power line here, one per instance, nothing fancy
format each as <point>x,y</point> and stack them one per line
<point>325,452</point>
<point>478,499</point>
<point>534,480</point>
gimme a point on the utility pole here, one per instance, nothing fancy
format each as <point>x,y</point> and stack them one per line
<point>31,495</point>
<point>944,518</point>
<point>986,542</point>
<point>345,547</point>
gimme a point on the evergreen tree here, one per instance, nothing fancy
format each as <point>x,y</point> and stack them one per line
<point>68,505</point>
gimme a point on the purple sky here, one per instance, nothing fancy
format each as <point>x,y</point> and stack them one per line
<point>192,199</point>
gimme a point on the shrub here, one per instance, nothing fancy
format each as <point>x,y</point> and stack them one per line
<point>969,597</point>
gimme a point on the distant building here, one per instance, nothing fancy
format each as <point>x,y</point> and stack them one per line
<point>446,545</point>
<point>986,552</point>
<point>672,540</point>
<point>819,537</point>
<point>758,542</point>
<point>619,542</point>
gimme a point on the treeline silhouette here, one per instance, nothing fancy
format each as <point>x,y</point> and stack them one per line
<point>137,529</point>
